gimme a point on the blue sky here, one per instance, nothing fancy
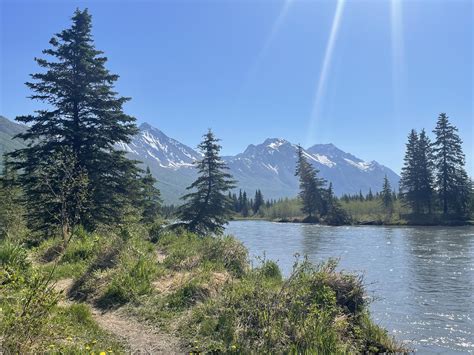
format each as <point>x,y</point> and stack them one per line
<point>359,74</point>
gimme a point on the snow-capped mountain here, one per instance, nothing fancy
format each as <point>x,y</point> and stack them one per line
<point>268,166</point>
<point>167,152</point>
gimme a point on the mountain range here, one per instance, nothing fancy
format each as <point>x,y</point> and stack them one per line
<point>268,166</point>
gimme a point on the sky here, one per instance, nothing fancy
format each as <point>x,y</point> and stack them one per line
<point>358,74</point>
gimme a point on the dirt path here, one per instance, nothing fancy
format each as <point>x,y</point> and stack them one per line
<point>139,338</point>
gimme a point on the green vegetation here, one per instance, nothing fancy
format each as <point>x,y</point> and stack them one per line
<point>75,212</point>
<point>200,288</point>
<point>33,318</point>
<point>207,208</point>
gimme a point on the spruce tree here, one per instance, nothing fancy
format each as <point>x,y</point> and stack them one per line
<point>409,182</point>
<point>84,118</point>
<point>245,205</point>
<point>207,208</point>
<point>424,171</point>
<point>451,177</point>
<point>386,196</point>
<point>151,198</point>
<point>310,185</point>
<point>259,201</point>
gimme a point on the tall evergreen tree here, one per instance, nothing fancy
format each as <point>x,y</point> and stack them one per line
<point>451,177</point>
<point>387,198</point>
<point>310,185</point>
<point>409,182</point>
<point>424,163</point>
<point>245,205</point>
<point>259,201</point>
<point>151,198</point>
<point>83,117</point>
<point>207,208</point>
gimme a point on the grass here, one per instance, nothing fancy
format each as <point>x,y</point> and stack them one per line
<point>31,319</point>
<point>201,288</point>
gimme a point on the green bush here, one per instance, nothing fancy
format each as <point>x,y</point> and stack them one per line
<point>315,310</point>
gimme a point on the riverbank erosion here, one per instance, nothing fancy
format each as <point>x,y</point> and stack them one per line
<point>186,293</point>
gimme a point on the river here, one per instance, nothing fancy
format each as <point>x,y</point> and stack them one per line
<point>422,278</point>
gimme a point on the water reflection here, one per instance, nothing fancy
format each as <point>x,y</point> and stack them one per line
<point>422,277</point>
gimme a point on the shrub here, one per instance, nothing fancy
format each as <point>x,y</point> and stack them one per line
<point>315,310</point>
<point>27,311</point>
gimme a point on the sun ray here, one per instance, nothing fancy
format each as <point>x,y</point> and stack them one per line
<point>268,41</point>
<point>397,43</point>
<point>321,86</point>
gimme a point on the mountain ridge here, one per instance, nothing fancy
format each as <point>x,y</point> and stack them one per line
<point>268,166</point>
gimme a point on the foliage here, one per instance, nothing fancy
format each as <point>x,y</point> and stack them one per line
<point>451,177</point>
<point>208,208</point>
<point>12,224</point>
<point>315,310</point>
<point>311,186</point>
<point>132,277</point>
<point>84,120</point>
<point>150,199</point>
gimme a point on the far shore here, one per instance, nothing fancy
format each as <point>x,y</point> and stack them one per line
<point>401,223</point>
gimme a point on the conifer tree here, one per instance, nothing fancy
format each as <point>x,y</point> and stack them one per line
<point>84,118</point>
<point>424,163</point>
<point>151,198</point>
<point>245,205</point>
<point>310,185</point>
<point>370,195</point>
<point>409,182</point>
<point>451,177</point>
<point>386,194</point>
<point>207,208</point>
<point>259,201</point>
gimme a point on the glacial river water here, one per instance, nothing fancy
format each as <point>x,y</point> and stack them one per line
<point>422,278</point>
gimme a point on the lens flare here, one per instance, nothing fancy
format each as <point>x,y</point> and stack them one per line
<point>273,32</point>
<point>397,42</point>
<point>313,123</point>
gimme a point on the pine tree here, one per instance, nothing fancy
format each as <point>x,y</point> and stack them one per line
<point>245,205</point>
<point>424,163</point>
<point>84,118</point>
<point>207,208</point>
<point>259,201</point>
<point>387,199</point>
<point>451,177</point>
<point>409,182</point>
<point>310,185</point>
<point>151,198</point>
<point>370,195</point>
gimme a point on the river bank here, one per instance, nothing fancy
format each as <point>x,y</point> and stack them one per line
<point>202,292</point>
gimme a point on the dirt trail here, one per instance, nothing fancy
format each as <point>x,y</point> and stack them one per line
<point>139,338</point>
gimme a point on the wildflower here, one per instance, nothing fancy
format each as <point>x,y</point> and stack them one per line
<point>233,347</point>
<point>69,339</point>
<point>88,347</point>
<point>102,353</point>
